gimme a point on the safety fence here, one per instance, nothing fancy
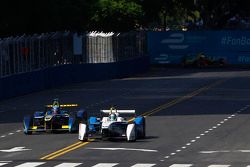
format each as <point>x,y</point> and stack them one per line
<point>35,52</point>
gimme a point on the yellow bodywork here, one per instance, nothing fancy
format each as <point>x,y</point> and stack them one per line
<point>34,127</point>
<point>65,126</point>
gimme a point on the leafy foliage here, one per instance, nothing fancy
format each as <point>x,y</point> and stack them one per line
<point>36,16</point>
<point>116,15</point>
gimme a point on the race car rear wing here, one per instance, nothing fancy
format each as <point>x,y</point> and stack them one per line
<point>119,111</point>
<point>63,105</point>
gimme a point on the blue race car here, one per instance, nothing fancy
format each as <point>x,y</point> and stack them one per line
<point>54,118</point>
<point>113,126</point>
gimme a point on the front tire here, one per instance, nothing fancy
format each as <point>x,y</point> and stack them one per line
<point>104,135</point>
<point>27,132</point>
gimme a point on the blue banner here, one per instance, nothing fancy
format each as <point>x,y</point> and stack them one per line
<point>170,47</point>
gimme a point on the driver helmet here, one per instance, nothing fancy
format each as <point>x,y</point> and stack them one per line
<point>113,117</point>
<point>55,109</point>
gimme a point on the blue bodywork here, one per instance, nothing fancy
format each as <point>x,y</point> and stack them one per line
<point>139,120</point>
<point>94,124</point>
<point>38,114</point>
<point>81,116</point>
<point>37,123</point>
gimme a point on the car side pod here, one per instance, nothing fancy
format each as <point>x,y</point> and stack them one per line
<point>130,132</point>
<point>82,132</point>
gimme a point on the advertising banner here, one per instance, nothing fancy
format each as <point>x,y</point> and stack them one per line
<point>172,46</point>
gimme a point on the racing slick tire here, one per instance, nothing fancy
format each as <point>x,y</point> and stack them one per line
<point>131,132</point>
<point>83,133</point>
<point>104,135</point>
<point>27,132</point>
<point>27,122</point>
<point>144,128</point>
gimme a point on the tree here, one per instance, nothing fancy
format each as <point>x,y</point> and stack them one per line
<point>116,15</point>
<point>167,13</point>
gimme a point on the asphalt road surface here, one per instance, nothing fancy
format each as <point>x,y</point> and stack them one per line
<point>193,118</point>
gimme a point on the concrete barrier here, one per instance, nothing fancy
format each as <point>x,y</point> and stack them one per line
<point>52,77</point>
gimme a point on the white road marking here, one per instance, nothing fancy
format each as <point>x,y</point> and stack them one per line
<point>218,165</point>
<point>3,163</point>
<point>15,149</point>
<point>124,149</point>
<point>11,134</point>
<point>3,136</point>
<point>30,164</point>
<point>181,165</point>
<point>211,152</point>
<point>244,151</point>
<point>225,151</point>
<point>19,131</point>
<point>105,164</point>
<point>143,165</point>
<point>207,131</point>
<point>68,164</point>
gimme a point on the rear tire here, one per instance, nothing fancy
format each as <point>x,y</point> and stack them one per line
<point>85,139</point>
<point>104,135</point>
<point>26,129</point>
<point>144,128</point>
<point>131,141</point>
